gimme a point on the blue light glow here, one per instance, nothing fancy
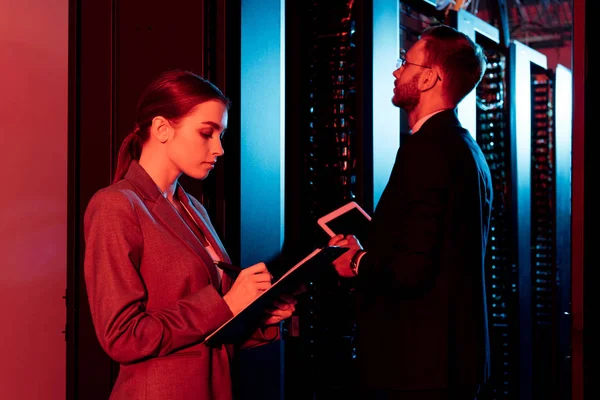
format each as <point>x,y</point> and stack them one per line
<point>386,116</point>
<point>262,129</point>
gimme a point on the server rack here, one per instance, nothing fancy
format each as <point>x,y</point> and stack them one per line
<point>501,269</point>
<point>326,170</point>
<point>563,144</point>
<point>543,230</point>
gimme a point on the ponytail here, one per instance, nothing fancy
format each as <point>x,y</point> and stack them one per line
<point>131,149</point>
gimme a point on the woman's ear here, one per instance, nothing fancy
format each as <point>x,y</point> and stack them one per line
<point>161,129</point>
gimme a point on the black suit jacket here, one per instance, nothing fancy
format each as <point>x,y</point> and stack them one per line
<point>422,321</point>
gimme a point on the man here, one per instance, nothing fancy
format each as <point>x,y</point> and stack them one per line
<point>421,322</point>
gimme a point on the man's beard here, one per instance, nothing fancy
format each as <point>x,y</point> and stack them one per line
<point>407,95</point>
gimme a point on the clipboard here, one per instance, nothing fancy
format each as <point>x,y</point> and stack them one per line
<point>246,321</point>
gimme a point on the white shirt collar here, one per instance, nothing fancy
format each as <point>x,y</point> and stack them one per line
<point>420,122</point>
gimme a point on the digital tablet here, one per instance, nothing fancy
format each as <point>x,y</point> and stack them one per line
<point>350,219</point>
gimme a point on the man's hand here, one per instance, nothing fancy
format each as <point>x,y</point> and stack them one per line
<point>342,263</point>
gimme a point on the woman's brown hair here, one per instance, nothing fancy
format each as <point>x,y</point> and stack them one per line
<point>171,95</point>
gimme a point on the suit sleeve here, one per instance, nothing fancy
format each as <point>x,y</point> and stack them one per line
<point>126,329</point>
<point>404,250</point>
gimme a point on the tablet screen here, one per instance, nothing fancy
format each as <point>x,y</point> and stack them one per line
<point>352,221</point>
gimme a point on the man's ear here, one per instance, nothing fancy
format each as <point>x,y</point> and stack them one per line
<point>161,129</point>
<point>428,79</point>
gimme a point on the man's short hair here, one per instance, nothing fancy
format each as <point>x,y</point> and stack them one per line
<point>460,60</point>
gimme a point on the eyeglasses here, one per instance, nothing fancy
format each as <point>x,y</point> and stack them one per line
<point>402,61</point>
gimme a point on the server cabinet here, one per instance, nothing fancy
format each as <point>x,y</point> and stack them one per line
<point>563,145</point>
<point>493,136</point>
<point>325,134</point>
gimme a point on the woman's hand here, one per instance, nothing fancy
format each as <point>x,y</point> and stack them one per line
<point>250,283</point>
<point>281,309</point>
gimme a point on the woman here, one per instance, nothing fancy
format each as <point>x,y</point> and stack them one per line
<point>152,284</point>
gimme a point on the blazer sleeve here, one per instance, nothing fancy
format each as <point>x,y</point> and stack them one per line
<point>262,336</point>
<point>126,329</point>
<point>404,250</point>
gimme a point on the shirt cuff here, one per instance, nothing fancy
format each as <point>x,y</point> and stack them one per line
<point>358,260</point>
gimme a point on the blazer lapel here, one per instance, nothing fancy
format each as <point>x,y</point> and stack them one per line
<point>211,236</point>
<point>168,215</point>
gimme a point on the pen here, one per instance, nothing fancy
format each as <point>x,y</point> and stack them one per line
<point>228,267</point>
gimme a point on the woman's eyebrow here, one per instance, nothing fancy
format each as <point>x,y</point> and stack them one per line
<point>214,125</point>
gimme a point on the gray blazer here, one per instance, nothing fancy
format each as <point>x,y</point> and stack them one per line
<point>154,294</point>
